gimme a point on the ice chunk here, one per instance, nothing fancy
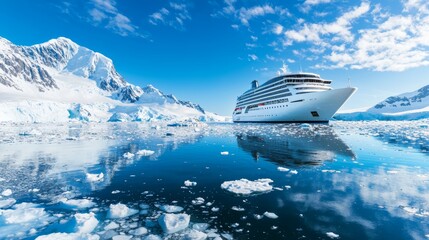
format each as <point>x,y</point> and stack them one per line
<point>7,203</point>
<point>238,209</point>
<point>21,218</point>
<point>189,183</point>
<point>283,169</point>
<point>139,231</point>
<point>288,187</point>
<point>86,222</point>
<point>247,187</point>
<point>145,152</point>
<point>171,223</point>
<point>78,203</point>
<point>198,201</point>
<point>294,172</point>
<point>152,237</point>
<point>69,236</point>
<point>332,235</point>
<point>111,226</point>
<point>195,235</point>
<point>23,213</point>
<point>200,226</point>
<point>94,177</point>
<point>224,153</point>
<point>215,209</point>
<point>170,208</point>
<point>6,192</point>
<point>121,211</point>
<point>122,237</point>
<point>270,215</point>
<point>128,155</point>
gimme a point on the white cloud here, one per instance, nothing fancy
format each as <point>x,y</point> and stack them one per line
<point>252,57</point>
<point>174,15</point>
<point>340,29</point>
<point>277,29</point>
<point>104,12</point>
<point>399,43</point>
<point>245,14</point>
<point>306,6</point>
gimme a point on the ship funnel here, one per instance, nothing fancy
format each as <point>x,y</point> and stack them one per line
<point>255,84</point>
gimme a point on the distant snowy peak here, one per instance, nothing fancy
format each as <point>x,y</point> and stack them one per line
<point>404,102</point>
<point>154,95</point>
<point>15,67</point>
<point>65,55</point>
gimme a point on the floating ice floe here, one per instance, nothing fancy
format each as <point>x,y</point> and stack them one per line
<point>128,155</point>
<point>139,231</point>
<point>247,187</point>
<point>7,203</point>
<point>171,223</point>
<point>294,172</point>
<point>121,211</point>
<point>111,226</point>
<point>288,187</point>
<point>78,203</point>
<point>145,152</point>
<point>332,235</point>
<point>86,222</point>
<point>6,192</point>
<point>193,234</point>
<point>224,153</point>
<point>152,237</point>
<point>190,183</point>
<point>94,177</point>
<point>22,218</point>
<point>238,209</point>
<point>200,226</point>
<point>170,208</point>
<point>69,236</point>
<point>270,215</point>
<point>198,201</point>
<point>122,237</point>
<point>283,169</point>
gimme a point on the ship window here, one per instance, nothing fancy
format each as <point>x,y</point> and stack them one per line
<point>315,114</point>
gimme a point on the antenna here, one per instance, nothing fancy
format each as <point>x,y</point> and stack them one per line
<point>348,79</point>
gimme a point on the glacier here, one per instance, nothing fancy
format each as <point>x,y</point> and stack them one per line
<point>61,81</point>
<point>403,107</point>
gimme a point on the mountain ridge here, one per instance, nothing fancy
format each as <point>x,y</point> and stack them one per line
<point>51,68</point>
<point>406,106</point>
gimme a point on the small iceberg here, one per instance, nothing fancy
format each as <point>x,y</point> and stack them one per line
<point>247,187</point>
<point>121,211</point>
<point>171,223</point>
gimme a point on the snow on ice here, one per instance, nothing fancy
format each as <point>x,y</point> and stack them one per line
<point>332,235</point>
<point>121,211</point>
<point>171,223</point>
<point>94,177</point>
<point>189,183</point>
<point>78,203</point>
<point>145,152</point>
<point>170,208</point>
<point>270,215</point>
<point>247,187</point>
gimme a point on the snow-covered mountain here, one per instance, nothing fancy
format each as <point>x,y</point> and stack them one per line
<point>59,80</point>
<point>406,106</point>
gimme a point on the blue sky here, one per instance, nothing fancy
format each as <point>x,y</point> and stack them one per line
<point>208,52</point>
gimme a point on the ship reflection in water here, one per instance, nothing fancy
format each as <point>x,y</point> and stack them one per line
<point>299,148</point>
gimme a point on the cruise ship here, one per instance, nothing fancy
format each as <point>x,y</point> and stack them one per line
<point>291,97</point>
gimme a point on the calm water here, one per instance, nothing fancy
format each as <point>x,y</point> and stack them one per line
<point>356,180</point>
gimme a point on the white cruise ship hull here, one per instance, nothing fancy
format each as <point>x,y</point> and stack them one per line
<point>310,107</point>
